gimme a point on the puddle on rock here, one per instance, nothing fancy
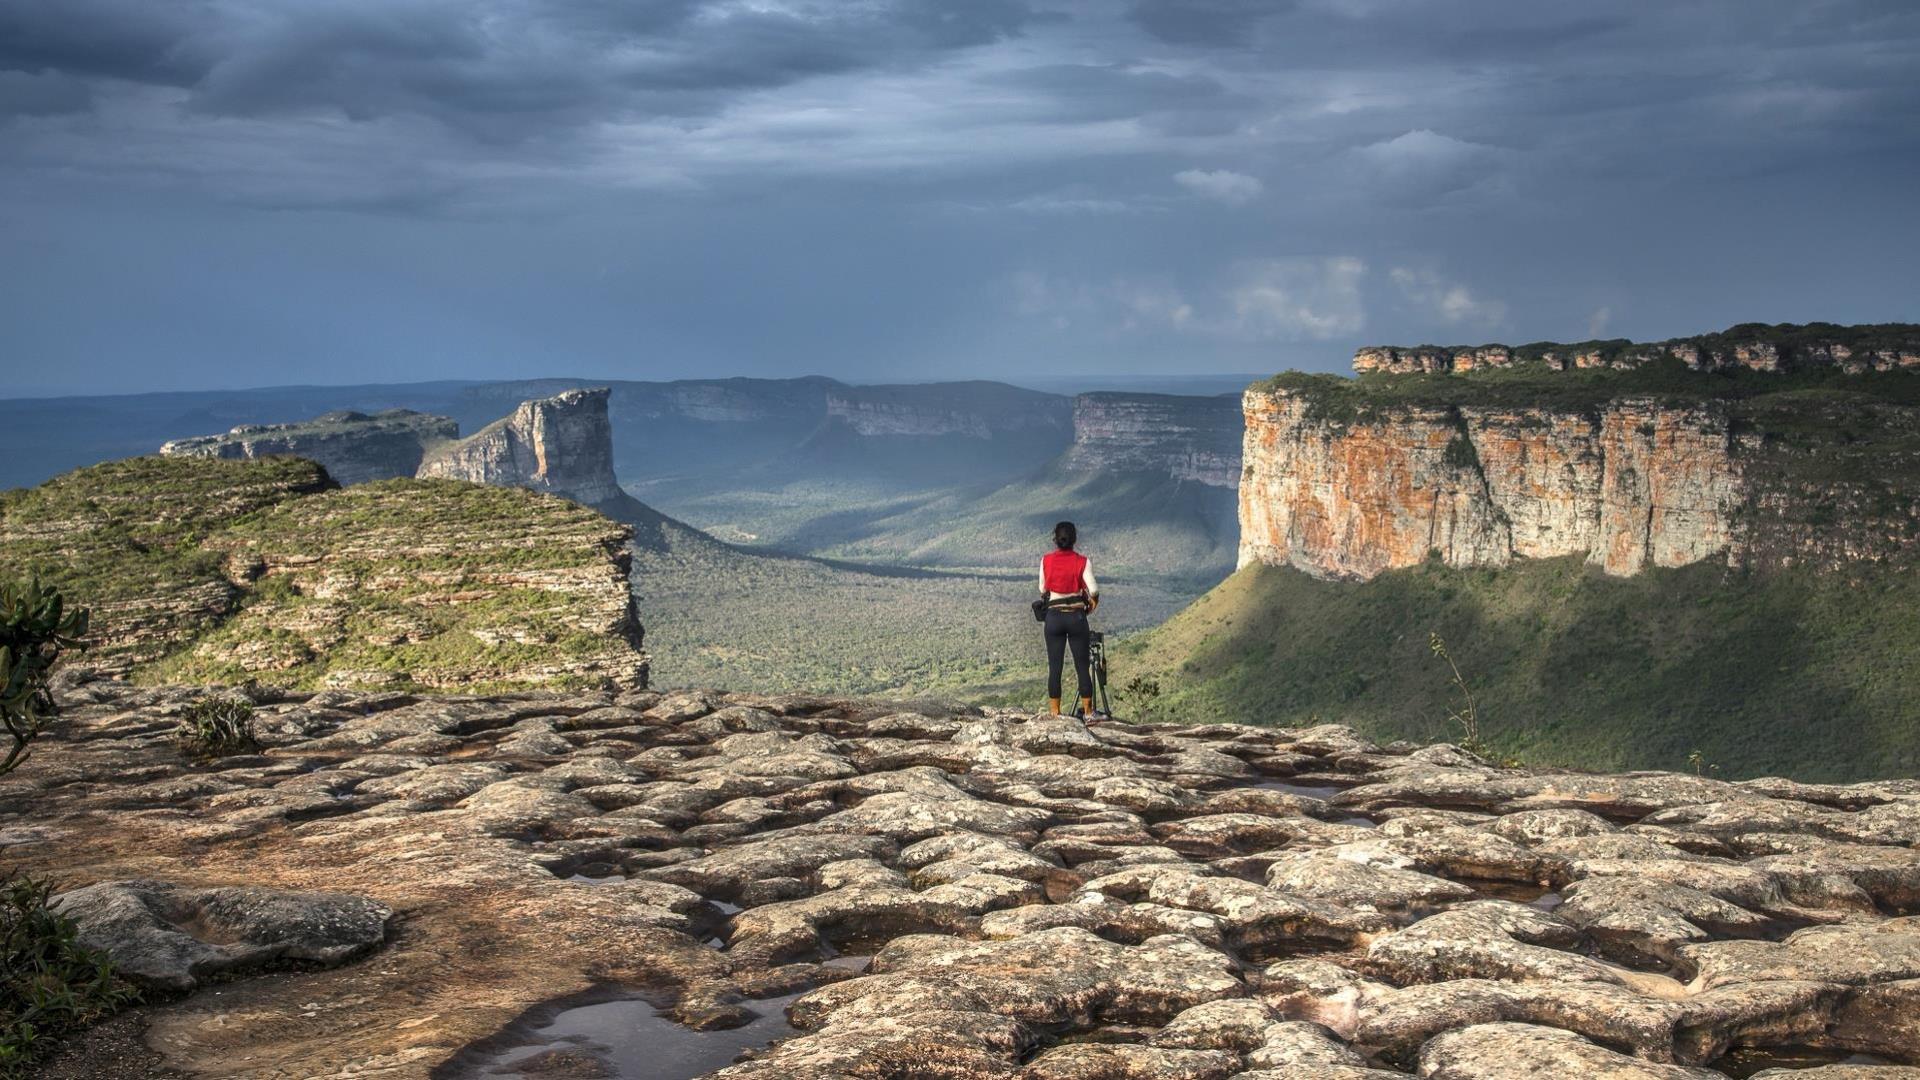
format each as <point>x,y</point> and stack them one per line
<point>590,879</point>
<point>1305,791</point>
<point>1745,1061</point>
<point>627,1038</point>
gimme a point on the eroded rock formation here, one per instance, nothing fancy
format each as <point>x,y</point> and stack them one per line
<point>562,445</point>
<point>1749,347</point>
<point>1187,438</point>
<point>1637,484</point>
<point>353,447</point>
<point>957,895</point>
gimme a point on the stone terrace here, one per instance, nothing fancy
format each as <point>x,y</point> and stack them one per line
<point>953,894</point>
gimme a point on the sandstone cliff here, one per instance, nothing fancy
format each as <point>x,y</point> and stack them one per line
<point>1186,438</point>
<point>232,571</point>
<point>1634,485</point>
<point>979,410</point>
<point>353,447</point>
<point>562,445</point>
<point>1350,478</point>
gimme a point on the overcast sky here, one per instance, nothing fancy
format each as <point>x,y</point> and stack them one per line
<point>205,193</point>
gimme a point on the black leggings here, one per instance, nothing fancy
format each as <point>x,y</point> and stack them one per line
<point>1068,628</point>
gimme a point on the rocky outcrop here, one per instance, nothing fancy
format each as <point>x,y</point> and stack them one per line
<point>976,410</point>
<point>1749,347</point>
<point>172,938</point>
<point>957,894</point>
<point>562,445</point>
<point>1638,484</point>
<point>231,571</point>
<point>1187,438</point>
<point>353,447</point>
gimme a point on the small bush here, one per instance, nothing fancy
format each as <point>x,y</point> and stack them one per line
<point>1140,697</point>
<point>49,983</point>
<point>35,628</point>
<point>218,726</point>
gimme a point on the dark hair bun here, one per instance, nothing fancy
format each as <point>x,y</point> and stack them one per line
<point>1065,535</point>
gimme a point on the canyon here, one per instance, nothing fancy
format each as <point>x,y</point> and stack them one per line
<point>1347,480</point>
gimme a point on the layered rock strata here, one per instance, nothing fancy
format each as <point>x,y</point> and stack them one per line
<point>957,895</point>
<point>1187,438</point>
<point>562,445</point>
<point>353,447</point>
<point>1634,485</point>
<point>1749,347</point>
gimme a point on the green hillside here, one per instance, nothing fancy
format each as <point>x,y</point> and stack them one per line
<point>1796,673</point>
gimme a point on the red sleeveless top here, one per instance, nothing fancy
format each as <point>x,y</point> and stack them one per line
<point>1063,570</point>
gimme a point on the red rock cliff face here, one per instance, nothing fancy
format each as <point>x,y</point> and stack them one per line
<point>1636,485</point>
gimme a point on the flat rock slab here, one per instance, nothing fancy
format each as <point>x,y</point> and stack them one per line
<point>172,937</point>
<point>957,894</point>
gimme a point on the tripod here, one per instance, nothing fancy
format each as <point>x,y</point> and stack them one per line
<point>1097,660</point>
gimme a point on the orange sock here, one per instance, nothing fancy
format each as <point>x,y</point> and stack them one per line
<point>1086,706</point>
<point>1053,705</point>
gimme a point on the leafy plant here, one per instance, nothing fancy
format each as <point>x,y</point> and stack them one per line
<point>36,627</point>
<point>218,726</point>
<point>1141,695</point>
<point>50,984</point>
<point>1468,715</point>
<point>1701,766</point>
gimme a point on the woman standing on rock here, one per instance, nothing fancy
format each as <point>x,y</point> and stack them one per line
<point>1068,592</point>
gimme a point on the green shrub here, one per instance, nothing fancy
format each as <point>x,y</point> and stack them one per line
<point>35,628</point>
<point>218,726</point>
<point>49,983</point>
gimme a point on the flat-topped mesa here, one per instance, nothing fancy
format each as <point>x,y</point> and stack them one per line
<point>353,447</point>
<point>1749,346</point>
<point>1187,438</point>
<point>1347,478</point>
<point>978,410</point>
<point>562,445</point>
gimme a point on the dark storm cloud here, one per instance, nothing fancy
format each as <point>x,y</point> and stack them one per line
<point>722,184</point>
<point>466,62</point>
<point>1205,22</point>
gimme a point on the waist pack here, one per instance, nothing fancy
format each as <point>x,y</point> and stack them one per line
<point>1064,603</point>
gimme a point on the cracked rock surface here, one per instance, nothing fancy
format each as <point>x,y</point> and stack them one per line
<point>848,890</point>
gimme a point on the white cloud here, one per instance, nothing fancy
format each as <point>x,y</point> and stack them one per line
<point>1597,322</point>
<point>1298,298</point>
<point>1277,299</point>
<point>1424,164</point>
<point>1449,301</point>
<point>1220,185</point>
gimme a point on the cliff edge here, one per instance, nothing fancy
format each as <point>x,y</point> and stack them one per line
<point>1657,463</point>
<point>562,445</point>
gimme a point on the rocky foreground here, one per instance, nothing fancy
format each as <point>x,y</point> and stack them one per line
<point>437,886</point>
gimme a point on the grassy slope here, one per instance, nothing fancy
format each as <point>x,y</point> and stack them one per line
<point>1791,673</point>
